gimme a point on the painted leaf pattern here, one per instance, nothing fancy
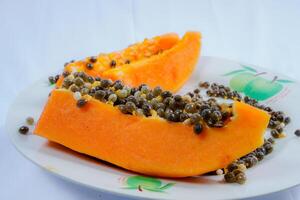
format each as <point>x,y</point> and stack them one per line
<point>249,68</point>
<point>234,72</point>
<point>284,81</point>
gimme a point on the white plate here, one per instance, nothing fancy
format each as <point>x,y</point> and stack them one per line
<point>278,171</point>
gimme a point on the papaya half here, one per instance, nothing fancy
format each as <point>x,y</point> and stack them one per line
<point>165,60</point>
<point>149,145</point>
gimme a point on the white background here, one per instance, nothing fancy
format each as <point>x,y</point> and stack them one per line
<point>38,37</point>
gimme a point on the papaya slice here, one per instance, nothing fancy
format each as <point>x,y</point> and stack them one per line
<point>149,145</point>
<point>163,60</point>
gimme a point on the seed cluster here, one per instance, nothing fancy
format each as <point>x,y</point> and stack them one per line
<point>53,79</point>
<point>218,90</point>
<point>190,109</point>
<point>278,119</point>
<point>277,123</point>
<point>138,51</point>
<point>24,129</point>
<point>236,170</point>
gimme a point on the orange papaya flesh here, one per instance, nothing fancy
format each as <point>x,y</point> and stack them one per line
<point>170,70</point>
<point>149,145</point>
<point>163,60</point>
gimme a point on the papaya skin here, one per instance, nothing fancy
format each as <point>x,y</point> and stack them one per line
<point>169,67</point>
<point>150,146</point>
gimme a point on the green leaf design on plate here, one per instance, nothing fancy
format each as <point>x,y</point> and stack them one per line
<point>146,183</point>
<point>129,187</point>
<point>249,68</point>
<point>284,81</point>
<point>167,186</point>
<point>234,72</point>
<point>154,189</point>
<point>48,84</point>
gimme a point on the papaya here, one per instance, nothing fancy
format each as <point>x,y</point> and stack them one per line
<point>149,145</point>
<point>164,60</point>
